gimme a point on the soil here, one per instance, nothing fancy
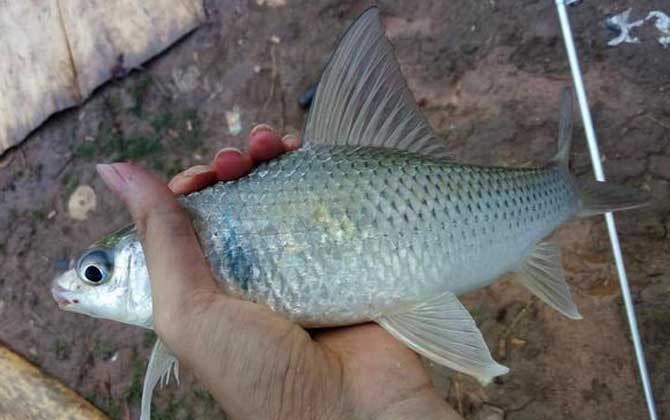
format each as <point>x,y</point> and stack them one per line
<point>487,74</point>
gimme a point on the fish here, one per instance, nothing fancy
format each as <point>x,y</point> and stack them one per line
<point>369,221</point>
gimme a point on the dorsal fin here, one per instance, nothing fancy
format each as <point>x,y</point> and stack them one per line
<point>363,100</point>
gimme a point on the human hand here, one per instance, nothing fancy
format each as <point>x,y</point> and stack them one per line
<point>257,364</point>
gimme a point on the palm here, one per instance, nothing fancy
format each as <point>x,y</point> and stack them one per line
<point>348,372</point>
<point>376,365</point>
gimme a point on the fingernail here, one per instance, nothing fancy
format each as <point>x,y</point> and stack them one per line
<point>261,127</point>
<point>291,141</point>
<point>227,152</point>
<point>195,170</point>
<point>112,177</point>
<point>188,174</point>
<point>230,163</point>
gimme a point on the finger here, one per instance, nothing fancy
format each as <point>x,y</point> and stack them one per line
<point>289,142</point>
<point>176,264</point>
<point>230,164</point>
<point>264,144</point>
<point>192,179</point>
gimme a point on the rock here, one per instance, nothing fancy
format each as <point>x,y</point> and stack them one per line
<point>234,120</point>
<point>490,412</point>
<point>81,202</point>
<point>186,80</point>
<point>517,342</point>
<point>660,166</point>
<point>28,393</point>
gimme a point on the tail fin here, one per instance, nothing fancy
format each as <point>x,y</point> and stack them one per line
<point>564,128</point>
<point>594,197</point>
<point>602,197</point>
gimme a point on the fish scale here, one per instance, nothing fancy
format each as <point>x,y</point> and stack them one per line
<point>330,234</point>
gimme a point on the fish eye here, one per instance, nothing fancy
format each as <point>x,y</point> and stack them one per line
<point>95,267</point>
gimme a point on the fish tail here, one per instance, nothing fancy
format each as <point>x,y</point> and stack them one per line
<point>594,197</point>
<point>562,157</point>
<point>603,197</point>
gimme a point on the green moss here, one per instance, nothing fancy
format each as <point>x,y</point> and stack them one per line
<point>103,349</point>
<point>114,103</point>
<point>149,339</point>
<point>157,164</point>
<point>116,148</point>
<point>86,151</point>
<point>174,168</point>
<point>136,148</point>
<point>191,134</point>
<point>163,122</point>
<point>38,214</point>
<point>159,141</point>
<point>139,90</point>
<point>169,412</point>
<point>62,349</point>
<point>70,183</point>
<point>107,404</point>
<point>204,396</point>
<point>134,392</point>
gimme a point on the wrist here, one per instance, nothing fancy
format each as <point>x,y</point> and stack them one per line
<point>424,404</point>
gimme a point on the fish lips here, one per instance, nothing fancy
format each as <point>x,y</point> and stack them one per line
<point>62,296</point>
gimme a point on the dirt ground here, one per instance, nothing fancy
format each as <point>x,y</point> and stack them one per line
<point>487,74</point>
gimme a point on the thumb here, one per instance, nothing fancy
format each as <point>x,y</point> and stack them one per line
<point>177,266</point>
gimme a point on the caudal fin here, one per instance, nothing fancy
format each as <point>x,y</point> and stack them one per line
<point>603,197</point>
<point>564,128</point>
<point>594,197</point>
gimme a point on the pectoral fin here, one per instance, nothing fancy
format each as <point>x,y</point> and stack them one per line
<point>442,330</point>
<point>541,272</point>
<point>161,363</point>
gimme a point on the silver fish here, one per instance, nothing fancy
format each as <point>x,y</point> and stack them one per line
<point>369,221</point>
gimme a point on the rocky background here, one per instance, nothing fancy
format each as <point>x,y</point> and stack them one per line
<point>487,73</point>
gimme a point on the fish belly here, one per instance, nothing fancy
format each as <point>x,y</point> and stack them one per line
<point>333,235</point>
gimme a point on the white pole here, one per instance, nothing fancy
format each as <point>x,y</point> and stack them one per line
<point>611,227</point>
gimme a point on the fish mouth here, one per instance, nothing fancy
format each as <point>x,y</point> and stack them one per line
<point>62,296</point>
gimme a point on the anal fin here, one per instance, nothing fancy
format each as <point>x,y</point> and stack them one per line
<point>541,272</point>
<point>161,363</point>
<point>442,330</point>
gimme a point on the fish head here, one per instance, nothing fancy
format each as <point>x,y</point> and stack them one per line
<point>109,280</point>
